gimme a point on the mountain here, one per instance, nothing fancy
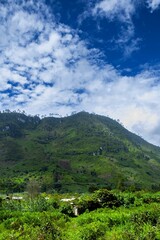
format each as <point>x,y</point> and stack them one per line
<point>74,154</point>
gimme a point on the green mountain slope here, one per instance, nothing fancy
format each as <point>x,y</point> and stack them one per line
<point>75,153</point>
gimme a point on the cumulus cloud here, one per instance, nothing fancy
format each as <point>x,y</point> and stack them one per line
<point>47,68</point>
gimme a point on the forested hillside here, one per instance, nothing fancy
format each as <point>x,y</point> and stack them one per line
<point>74,154</point>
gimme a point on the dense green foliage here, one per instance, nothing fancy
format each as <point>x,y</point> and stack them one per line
<point>79,153</point>
<point>137,216</point>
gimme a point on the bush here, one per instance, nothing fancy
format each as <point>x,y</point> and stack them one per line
<point>92,231</point>
<point>87,202</point>
<point>67,209</point>
<point>99,199</point>
<point>107,198</point>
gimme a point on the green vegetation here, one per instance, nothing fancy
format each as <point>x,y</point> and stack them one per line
<point>106,215</point>
<point>79,153</point>
<point>50,168</point>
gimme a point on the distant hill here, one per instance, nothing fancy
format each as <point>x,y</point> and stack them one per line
<point>74,154</point>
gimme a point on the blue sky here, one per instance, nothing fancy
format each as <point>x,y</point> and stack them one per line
<point>101,56</point>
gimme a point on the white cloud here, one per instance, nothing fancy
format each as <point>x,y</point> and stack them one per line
<point>39,54</point>
<point>126,40</point>
<point>132,99</point>
<point>46,67</point>
<point>122,9</point>
<point>153,4</point>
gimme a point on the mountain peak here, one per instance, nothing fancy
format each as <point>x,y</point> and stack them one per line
<point>72,153</point>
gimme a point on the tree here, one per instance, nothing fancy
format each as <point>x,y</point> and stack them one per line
<point>33,188</point>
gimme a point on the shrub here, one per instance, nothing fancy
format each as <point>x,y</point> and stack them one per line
<point>38,204</point>
<point>107,198</point>
<point>88,202</point>
<point>67,209</point>
<point>99,199</point>
<point>92,231</point>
